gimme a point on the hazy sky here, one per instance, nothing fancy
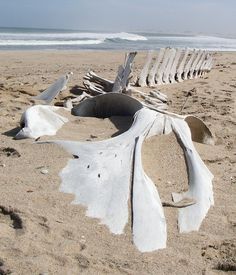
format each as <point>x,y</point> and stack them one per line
<point>205,16</point>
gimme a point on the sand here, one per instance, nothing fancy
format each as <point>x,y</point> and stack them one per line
<point>42,233</point>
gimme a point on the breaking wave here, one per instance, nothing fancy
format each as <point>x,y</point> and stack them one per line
<point>73,38</point>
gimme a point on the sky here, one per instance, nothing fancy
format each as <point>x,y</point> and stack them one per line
<point>167,16</point>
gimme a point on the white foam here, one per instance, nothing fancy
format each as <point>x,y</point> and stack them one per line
<point>48,42</point>
<point>72,36</point>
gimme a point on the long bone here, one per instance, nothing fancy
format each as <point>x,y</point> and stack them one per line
<point>189,64</point>
<point>153,71</point>
<point>193,67</point>
<point>180,69</point>
<point>160,71</point>
<point>142,81</point>
<point>166,74</point>
<point>173,70</point>
<point>52,91</point>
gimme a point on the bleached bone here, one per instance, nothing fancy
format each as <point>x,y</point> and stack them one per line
<point>153,71</point>
<point>189,64</point>
<point>52,91</point>
<point>40,120</point>
<point>149,224</point>
<point>160,71</point>
<point>180,204</point>
<point>98,85</point>
<point>200,182</point>
<point>155,99</point>
<point>68,104</point>
<point>173,70</point>
<point>101,174</point>
<point>122,78</point>
<point>142,81</point>
<point>159,95</point>
<point>103,82</point>
<point>166,74</point>
<point>194,64</point>
<point>207,65</point>
<point>94,90</point>
<point>181,67</point>
<point>202,68</point>
<point>197,68</point>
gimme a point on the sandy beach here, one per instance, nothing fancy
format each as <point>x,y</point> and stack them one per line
<point>41,232</point>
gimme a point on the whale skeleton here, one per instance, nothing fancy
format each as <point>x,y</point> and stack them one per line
<point>174,65</point>
<point>106,174</point>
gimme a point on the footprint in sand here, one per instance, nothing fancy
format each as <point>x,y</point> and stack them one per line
<point>221,256</point>
<point>9,152</point>
<point>10,221</point>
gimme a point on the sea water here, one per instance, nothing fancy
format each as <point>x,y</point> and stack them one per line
<point>40,39</point>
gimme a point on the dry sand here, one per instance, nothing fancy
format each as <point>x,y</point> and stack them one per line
<point>42,233</point>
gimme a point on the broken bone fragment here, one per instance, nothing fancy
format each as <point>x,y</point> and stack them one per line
<point>40,120</point>
<point>53,90</point>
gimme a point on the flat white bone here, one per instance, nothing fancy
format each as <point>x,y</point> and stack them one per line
<point>200,182</point>
<point>40,120</point>
<point>52,91</point>
<point>149,224</point>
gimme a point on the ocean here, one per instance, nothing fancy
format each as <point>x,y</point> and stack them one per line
<point>45,39</point>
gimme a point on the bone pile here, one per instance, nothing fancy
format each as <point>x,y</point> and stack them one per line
<point>174,65</point>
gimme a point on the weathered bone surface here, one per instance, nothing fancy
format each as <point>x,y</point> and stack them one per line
<point>166,73</point>
<point>105,168</point>
<point>189,64</point>
<point>40,120</point>
<point>142,80</point>
<point>160,72</point>
<point>122,78</point>
<point>200,182</point>
<point>173,65</point>
<point>149,224</point>
<point>51,92</point>
<point>153,71</point>
<point>173,69</point>
<point>97,85</point>
<point>180,70</point>
<point>194,64</point>
<point>198,66</point>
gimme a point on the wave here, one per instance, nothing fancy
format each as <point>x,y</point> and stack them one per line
<point>48,42</point>
<point>71,36</point>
